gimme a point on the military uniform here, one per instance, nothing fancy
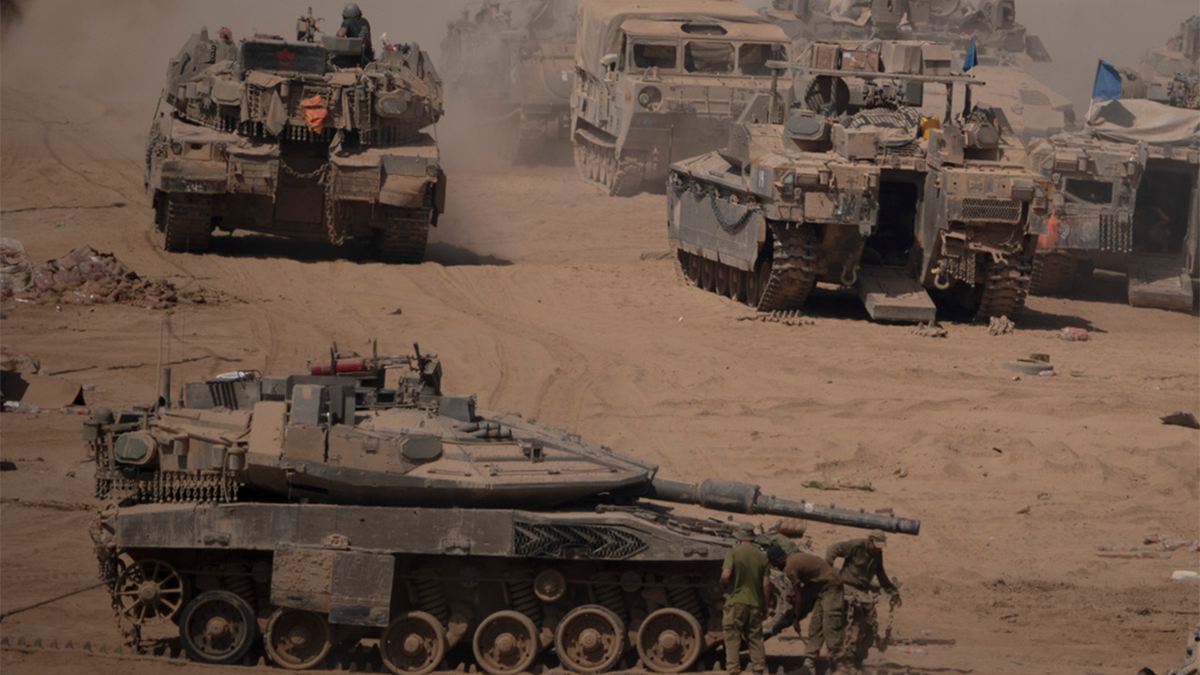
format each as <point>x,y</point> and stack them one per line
<point>828,620</point>
<point>742,616</point>
<point>860,568</point>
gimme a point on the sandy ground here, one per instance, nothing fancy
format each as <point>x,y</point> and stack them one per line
<point>545,297</point>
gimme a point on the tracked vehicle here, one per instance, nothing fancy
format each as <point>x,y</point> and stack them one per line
<point>852,186</point>
<point>516,60</point>
<point>305,139</point>
<point>1127,186</point>
<point>657,82</point>
<point>358,502</point>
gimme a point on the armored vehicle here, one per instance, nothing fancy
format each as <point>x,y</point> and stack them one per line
<point>357,501</point>
<point>1127,188</point>
<point>304,139</point>
<point>1007,53</point>
<point>657,82</point>
<point>517,61</point>
<point>852,186</point>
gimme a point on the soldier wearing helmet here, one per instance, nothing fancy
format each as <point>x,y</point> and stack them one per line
<point>355,25</point>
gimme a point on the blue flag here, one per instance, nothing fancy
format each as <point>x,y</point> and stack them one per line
<point>1108,82</point>
<point>970,61</point>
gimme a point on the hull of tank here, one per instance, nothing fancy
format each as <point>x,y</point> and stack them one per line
<point>520,589</point>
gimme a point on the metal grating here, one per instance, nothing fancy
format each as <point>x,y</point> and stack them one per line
<point>223,395</point>
<point>1115,235</point>
<point>993,210</point>
<point>576,541</point>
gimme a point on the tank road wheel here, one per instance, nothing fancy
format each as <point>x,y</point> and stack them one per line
<point>413,644</point>
<point>669,640</point>
<point>707,274</point>
<point>581,157</point>
<point>590,639</point>
<point>149,592</point>
<point>217,627</point>
<point>186,224</point>
<point>753,289</point>
<point>737,284</point>
<point>506,643</point>
<point>721,279</point>
<point>297,639</point>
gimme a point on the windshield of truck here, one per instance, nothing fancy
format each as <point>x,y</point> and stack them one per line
<point>752,58</point>
<point>714,58</point>
<point>661,55</point>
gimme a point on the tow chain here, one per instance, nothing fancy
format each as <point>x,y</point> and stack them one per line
<point>699,192</point>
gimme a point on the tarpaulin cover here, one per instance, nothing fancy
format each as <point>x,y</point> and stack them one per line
<point>1137,120</point>
<point>599,22</point>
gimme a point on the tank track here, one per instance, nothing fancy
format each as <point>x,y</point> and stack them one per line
<point>793,267</point>
<point>357,659</point>
<point>1053,273</point>
<point>186,225</point>
<point>598,161</point>
<point>403,240</point>
<point>1004,290</point>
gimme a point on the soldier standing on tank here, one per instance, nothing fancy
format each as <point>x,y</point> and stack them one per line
<point>747,586</point>
<point>812,577</point>
<point>355,25</point>
<point>862,565</point>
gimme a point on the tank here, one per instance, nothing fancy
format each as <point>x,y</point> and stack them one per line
<point>306,138</point>
<point>1008,54</point>
<point>355,501</point>
<point>659,82</point>
<point>1126,185</point>
<point>516,61</point>
<point>853,186</point>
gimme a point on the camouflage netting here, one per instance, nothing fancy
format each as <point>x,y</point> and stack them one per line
<point>87,277</point>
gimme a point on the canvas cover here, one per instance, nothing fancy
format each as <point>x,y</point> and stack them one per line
<point>1140,120</point>
<point>599,21</point>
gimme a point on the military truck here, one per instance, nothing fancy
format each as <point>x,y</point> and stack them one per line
<point>303,139</point>
<point>854,187</point>
<point>356,501</point>
<point>1127,186</point>
<point>1007,53</point>
<point>658,82</point>
<point>517,61</point>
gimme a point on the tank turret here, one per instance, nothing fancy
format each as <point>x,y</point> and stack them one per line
<point>379,431</point>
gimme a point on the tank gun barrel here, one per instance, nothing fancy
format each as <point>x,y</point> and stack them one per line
<point>737,497</point>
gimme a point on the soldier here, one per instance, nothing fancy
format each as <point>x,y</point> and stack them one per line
<point>862,564</point>
<point>819,586</point>
<point>355,25</point>
<point>744,576</point>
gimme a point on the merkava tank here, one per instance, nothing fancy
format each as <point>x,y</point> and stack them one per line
<point>517,61</point>
<point>660,81</point>
<point>306,139</point>
<point>1127,186</point>
<point>356,501</point>
<point>1008,54</point>
<point>853,186</point>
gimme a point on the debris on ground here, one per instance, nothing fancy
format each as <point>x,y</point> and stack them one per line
<point>826,482</point>
<point>787,317</point>
<point>930,329</point>
<point>87,277</point>
<point>1181,418</point>
<point>1001,325</point>
<point>1072,334</point>
<point>1029,366</point>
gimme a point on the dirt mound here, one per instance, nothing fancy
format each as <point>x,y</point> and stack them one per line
<point>87,277</point>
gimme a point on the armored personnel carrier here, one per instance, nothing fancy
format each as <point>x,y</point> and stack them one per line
<point>356,501</point>
<point>657,82</point>
<point>1007,53</point>
<point>305,139</point>
<point>853,186</point>
<point>1127,186</point>
<point>517,60</point>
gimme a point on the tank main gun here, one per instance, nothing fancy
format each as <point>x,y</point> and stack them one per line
<point>738,497</point>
